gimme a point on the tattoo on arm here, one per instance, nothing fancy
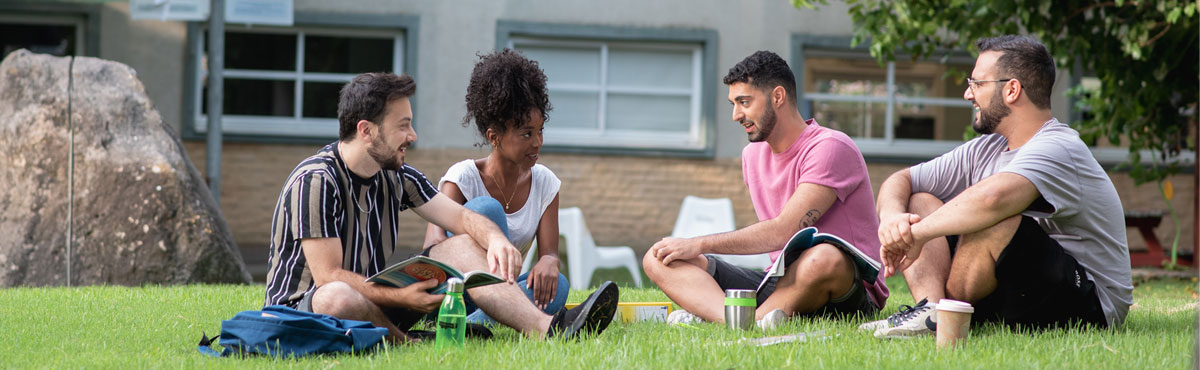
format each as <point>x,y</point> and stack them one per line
<point>810,218</point>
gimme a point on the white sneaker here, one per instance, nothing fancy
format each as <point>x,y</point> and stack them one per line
<point>911,321</point>
<point>873,325</point>
<point>681,317</point>
<point>772,319</point>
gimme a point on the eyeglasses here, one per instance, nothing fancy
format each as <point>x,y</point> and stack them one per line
<point>973,83</point>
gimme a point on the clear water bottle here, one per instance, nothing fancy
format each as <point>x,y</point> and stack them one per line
<point>452,317</point>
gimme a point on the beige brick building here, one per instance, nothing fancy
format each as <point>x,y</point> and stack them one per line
<point>640,120</point>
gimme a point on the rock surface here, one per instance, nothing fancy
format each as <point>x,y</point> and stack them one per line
<point>141,212</point>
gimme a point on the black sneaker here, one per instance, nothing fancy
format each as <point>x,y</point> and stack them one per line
<point>590,317</point>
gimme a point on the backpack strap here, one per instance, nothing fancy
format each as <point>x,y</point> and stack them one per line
<point>205,347</point>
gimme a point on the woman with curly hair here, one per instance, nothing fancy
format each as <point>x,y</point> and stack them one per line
<point>508,102</point>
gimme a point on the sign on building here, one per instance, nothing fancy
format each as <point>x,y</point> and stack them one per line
<point>169,10</point>
<point>272,12</point>
<point>269,12</point>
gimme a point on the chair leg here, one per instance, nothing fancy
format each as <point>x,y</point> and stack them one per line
<point>580,275</point>
<point>635,271</point>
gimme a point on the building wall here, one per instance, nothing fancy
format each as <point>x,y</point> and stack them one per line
<point>627,200</point>
<point>155,49</point>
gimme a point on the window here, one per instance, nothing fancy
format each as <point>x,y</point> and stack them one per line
<point>638,91</point>
<point>912,109</point>
<point>52,28</point>
<point>285,81</point>
<point>852,96</point>
<point>59,36</point>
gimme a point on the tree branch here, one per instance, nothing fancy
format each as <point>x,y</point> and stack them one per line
<point>1160,34</point>
<point>1090,7</point>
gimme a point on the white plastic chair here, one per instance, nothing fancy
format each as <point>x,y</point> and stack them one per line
<point>703,216</point>
<point>584,257</point>
<point>531,255</point>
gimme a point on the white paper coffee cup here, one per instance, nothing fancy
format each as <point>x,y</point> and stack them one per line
<point>953,322</point>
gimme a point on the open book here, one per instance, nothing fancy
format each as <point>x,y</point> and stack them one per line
<point>868,267</point>
<point>421,268</point>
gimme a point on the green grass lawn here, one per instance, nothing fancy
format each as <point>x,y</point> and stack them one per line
<point>140,327</point>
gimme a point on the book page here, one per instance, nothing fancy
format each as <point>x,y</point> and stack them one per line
<point>479,278</point>
<point>416,269</point>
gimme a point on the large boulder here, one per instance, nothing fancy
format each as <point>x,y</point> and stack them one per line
<point>140,211</point>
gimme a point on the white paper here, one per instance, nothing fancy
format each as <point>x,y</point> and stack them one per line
<point>767,341</point>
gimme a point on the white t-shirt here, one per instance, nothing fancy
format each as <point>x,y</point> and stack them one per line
<point>1084,212</point>
<point>522,224</point>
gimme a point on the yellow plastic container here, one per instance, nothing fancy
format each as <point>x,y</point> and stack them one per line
<point>628,312</point>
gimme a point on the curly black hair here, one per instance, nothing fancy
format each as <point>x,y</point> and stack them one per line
<point>764,70</point>
<point>505,87</point>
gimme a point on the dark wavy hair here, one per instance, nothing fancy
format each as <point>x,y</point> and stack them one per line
<point>366,96</point>
<point>764,70</point>
<point>505,87</point>
<point>1026,60</point>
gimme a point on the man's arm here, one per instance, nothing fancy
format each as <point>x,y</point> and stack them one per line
<point>324,258</point>
<point>895,222</point>
<point>894,194</point>
<point>992,200</point>
<point>982,205</point>
<point>503,258</point>
<point>436,234</point>
<point>808,203</point>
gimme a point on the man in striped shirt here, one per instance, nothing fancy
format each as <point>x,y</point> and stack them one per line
<point>337,216</point>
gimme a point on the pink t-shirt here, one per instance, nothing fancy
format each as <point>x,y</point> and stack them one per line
<point>824,157</point>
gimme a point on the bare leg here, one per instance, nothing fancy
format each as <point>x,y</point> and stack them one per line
<point>339,300</point>
<point>927,276</point>
<point>506,303</point>
<point>973,274</point>
<point>689,285</point>
<point>820,274</point>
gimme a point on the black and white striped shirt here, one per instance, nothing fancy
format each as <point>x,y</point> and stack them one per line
<point>322,198</point>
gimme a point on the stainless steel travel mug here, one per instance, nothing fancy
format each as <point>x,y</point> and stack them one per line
<point>739,308</point>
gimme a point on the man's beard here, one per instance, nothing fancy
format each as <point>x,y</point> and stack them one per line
<point>990,118</point>
<point>765,126</point>
<point>384,157</point>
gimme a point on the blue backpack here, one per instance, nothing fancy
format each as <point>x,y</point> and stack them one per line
<point>286,332</point>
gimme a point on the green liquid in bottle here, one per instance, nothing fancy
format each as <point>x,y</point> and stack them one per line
<point>451,322</point>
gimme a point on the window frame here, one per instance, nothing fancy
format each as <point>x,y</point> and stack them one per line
<point>241,128</point>
<point>702,131</point>
<point>890,149</point>
<point>85,17</point>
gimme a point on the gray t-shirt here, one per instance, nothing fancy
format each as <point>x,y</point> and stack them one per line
<point>1078,206</point>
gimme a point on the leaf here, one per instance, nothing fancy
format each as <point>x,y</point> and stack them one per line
<point>1160,73</point>
<point>1168,190</point>
<point>1144,85</point>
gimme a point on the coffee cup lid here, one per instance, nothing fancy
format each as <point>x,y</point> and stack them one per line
<point>955,306</point>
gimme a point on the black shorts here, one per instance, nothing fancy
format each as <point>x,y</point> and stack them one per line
<point>403,318</point>
<point>1038,285</point>
<point>729,276</point>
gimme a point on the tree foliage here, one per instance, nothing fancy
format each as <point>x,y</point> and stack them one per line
<point>1145,54</point>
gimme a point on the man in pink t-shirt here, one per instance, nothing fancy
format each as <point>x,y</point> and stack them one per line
<point>799,174</point>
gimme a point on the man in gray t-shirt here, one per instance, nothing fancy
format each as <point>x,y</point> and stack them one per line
<point>1021,222</point>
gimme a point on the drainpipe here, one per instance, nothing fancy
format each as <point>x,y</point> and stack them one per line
<point>216,86</point>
